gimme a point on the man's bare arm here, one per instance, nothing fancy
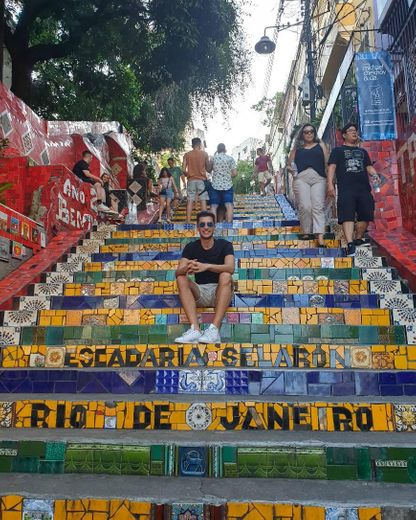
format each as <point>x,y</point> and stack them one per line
<point>226,267</point>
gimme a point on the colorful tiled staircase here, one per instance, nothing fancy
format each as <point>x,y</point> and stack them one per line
<point>305,411</point>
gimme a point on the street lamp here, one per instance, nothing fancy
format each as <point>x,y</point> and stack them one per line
<point>265,45</point>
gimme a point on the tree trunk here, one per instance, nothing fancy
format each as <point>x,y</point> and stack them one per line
<point>22,78</point>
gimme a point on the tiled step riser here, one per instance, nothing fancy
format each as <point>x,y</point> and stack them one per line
<point>134,230</point>
<point>175,247</point>
<point>326,384</point>
<point>137,315</point>
<point>379,464</point>
<point>210,416</point>
<point>84,298</point>
<point>225,357</point>
<point>98,508</point>
<point>269,252</point>
<point>297,237</point>
<point>380,279</point>
<point>189,232</point>
<point>244,263</point>
<point>230,333</point>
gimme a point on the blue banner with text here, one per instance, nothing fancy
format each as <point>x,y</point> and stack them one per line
<point>375,96</point>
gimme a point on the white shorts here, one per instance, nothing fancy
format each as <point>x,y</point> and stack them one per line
<point>264,176</point>
<point>207,294</point>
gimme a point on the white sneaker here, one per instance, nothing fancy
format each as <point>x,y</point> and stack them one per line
<point>105,209</point>
<point>211,335</point>
<point>190,336</point>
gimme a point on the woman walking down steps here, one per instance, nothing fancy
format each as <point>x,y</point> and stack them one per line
<point>307,163</point>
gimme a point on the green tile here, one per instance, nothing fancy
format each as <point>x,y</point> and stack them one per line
<point>229,454</point>
<point>364,468</point>
<point>55,451</point>
<point>25,465</point>
<point>31,449</point>
<point>6,464</point>
<point>340,456</point>
<point>342,472</point>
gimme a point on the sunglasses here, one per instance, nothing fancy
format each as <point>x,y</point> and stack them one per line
<point>308,131</point>
<point>206,224</point>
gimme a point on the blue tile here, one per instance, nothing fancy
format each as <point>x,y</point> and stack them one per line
<point>367,383</point>
<point>193,461</point>
<point>387,378</point>
<point>319,389</point>
<point>389,390</point>
<point>295,383</point>
<point>406,377</point>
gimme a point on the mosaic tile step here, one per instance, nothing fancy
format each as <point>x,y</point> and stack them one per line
<point>230,333</point>
<point>237,224</point>
<point>114,299</point>
<point>249,315</point>
<point>244,287</point>
<point>210,382</point>
<point>238,246</point>
<point>272,252</point>
<point>165,233</point>
<point>382,281</point>
<point>221,415</point>
<point>224,356</point>
<point>236,239</point>
<point>375,263</point>
<point>364,463</point>
<point>19,508</point>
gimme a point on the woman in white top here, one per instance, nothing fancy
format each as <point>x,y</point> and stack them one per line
<point>223,172</point>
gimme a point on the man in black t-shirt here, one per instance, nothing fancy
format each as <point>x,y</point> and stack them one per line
<point>82,170</point>
<point>352,166</point>
<point>211,260</point>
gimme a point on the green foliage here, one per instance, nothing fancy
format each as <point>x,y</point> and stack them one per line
<point>245,176</point>
<point>268,107</point>
<point>145,63</point>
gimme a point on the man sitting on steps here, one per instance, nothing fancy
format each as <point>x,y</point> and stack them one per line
<point>211,260</point>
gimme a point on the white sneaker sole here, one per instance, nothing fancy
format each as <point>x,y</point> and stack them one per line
<point>207,342</point>
<point>187,342</point>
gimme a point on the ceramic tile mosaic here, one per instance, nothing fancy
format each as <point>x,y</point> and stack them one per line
<point>307,330</point>
<point>140,314</point>
<point>231,355</point>
<point>218,416</point>
<point>380,464</point>
<point>11,508</point>
<point>214,382</point>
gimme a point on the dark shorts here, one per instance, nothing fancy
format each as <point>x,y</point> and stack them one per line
<point>355,206</point>
<point>218,197</point>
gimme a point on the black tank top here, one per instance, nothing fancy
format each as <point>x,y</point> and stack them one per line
<point>311,158</point>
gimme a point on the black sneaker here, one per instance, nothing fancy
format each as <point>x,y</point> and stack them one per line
<point>351,249</point>
<point>362,242</point>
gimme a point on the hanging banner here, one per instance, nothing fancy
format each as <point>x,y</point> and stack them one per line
<point>375,96</point>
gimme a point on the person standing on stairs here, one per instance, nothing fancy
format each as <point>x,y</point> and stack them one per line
<point>223,171</point>
<point>82,170</point>
<point>307,164</point>
<point>263,170</point>
<point>196,164</point>
<point>211,260</point>
<point>355,205</point>
<point>167,192</point>
<point>178,176</point>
